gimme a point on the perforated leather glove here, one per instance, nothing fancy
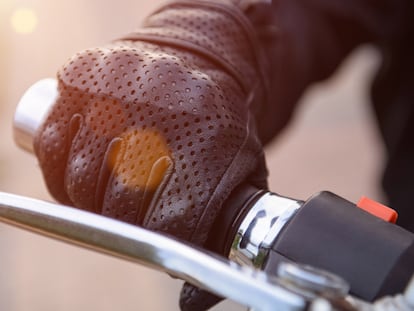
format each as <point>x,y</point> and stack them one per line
<point>157,128</point>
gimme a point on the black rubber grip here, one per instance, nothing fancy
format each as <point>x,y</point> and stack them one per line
<point>374,256</point>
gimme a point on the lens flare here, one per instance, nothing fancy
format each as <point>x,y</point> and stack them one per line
<point>142,160</point>
<point>24,20</point>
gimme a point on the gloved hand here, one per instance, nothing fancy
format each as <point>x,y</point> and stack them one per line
<point>157,128</point>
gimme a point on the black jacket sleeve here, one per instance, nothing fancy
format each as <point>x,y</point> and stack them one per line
<point>311,38</point>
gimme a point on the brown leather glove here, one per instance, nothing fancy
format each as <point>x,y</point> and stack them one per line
<point>157,128</point>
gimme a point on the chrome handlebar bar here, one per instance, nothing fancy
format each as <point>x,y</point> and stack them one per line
<point>245,285</point>
<point>296,287</point>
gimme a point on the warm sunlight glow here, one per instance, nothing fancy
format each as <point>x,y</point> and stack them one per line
<point>142,159</point>
<point>24,20</point>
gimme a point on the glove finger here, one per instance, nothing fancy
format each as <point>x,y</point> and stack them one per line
<point>139,164</point>
<point>195,299</point>
<point>52,146</point>
<point>82,169</point>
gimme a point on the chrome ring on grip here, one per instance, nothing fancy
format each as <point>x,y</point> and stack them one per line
<point>260,228</point>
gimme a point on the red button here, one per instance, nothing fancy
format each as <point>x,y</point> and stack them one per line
<point>378,209</point>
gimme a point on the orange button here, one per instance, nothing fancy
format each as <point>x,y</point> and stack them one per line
<point>378,209</point>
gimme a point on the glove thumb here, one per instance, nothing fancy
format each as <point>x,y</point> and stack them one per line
<point>195,299</point>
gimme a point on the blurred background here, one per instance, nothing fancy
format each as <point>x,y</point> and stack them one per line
<point>332,144</point>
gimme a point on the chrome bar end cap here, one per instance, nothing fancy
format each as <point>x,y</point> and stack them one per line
<point>31,111</point>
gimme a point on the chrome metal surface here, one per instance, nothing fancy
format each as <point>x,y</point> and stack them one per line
<point>409,293</point>
<point>261,227</point>
<point>241,284</point>
<point>312,280</point>
<point>31,110</point>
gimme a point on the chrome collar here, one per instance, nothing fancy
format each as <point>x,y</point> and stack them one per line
<point>260,228</point>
